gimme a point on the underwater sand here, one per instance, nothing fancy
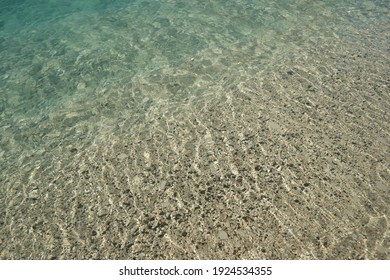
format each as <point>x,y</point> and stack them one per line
<point>200,130</point>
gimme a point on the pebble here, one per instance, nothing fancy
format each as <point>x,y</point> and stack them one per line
<point>34,194</point>
<point>273,125</point>
<point>163,184</point>
<point>222,235</point>
<point>81,85</point>
<point>102,212</point>
<point>122,156</point>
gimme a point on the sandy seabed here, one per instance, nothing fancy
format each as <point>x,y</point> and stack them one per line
<point>287,162</point>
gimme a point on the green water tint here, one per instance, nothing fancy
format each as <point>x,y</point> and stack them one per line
<point>115,112</point>
<point>64,60</point>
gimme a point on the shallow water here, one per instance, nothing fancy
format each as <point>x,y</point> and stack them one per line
<point>110,109</point>
<point>62,56</point>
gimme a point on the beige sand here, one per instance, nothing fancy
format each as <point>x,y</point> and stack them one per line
<point>288,163</point>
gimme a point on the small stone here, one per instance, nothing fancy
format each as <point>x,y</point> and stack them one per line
<point>163,184</point>
<point>102,212</point>
<point>81,85</point>
<point>222,235</point>
<point>273,125</point>
<point>122,156</point>
<point>34,194</point>
<point>382,250</point>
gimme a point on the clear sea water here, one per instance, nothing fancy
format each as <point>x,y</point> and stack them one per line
<point>76,75</point>
<point>73,55</point>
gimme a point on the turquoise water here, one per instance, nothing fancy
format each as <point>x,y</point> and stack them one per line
<point>50,48</point>
<point>55,51</point>
<point>80,78</point>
